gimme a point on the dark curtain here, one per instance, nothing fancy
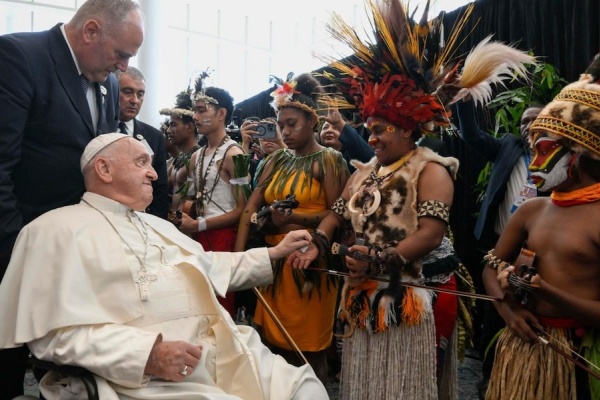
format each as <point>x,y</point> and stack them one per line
<point>565,33</point>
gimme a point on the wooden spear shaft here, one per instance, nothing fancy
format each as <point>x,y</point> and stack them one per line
<point>415,285</point>
<point>285,333</point>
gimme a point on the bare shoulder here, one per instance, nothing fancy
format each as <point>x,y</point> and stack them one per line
<point>194,156</point>
<point>235,150</point>
<point>435,183</point>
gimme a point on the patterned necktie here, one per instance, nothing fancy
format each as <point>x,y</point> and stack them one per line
<point>84,83</point>
<point>123,128</point>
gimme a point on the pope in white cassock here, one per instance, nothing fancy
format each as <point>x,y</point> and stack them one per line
<point>127,296</point>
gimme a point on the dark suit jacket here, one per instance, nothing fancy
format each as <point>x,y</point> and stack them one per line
<point>45,123</point>
<point>504,152</point>
<point>160,202</point>
<point>354,146</point>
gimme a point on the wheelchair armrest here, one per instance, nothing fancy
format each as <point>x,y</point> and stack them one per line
<point>79,372</point>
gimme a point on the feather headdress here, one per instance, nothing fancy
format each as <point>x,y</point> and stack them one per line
<point>200,91</point>
<point>574,114</point>
<point>393,75</point>
<point>183,105</point>
<point>303,92</point>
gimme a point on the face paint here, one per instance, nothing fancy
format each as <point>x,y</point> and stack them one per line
<point>550,164</point>
<point>206,121</point>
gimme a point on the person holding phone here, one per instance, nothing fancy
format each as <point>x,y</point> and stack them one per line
<point>260,146</point>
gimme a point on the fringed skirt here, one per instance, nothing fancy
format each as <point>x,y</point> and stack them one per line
<point>395,364</point>
<point>532,371</point>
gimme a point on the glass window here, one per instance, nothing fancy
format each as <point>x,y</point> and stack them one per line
<point>203,18</point>
<point>69,4</point>
<point>47,18</point>
<point>259,31</point>
<point>179,14</point>
<point>15,19</point>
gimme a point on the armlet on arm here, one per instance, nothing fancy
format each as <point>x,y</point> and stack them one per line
<point>435,209</point>
<point>494,262</point>
<point>339,207</point>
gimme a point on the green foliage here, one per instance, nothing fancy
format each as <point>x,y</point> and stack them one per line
<point>510,105</point>
<point>545,83</point>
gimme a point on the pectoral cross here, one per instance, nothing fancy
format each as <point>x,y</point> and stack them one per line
<point>142,278</point>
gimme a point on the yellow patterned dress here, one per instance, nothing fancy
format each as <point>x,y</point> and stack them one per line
<point>304,302</point>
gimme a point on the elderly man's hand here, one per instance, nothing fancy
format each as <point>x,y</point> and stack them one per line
<point>301,259</point>
<point>293,240</point>
<point>173,361</point>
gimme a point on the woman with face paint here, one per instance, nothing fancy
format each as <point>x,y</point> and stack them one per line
<point>304,301</point>
<point>563,290</point>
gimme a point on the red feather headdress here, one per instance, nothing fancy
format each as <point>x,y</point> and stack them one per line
<point>394,75</point>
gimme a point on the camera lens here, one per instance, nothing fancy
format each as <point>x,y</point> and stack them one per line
<point>260,130</point>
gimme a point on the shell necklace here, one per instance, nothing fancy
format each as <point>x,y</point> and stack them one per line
<point>369,191</point>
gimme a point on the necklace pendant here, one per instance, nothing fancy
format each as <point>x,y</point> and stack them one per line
<point>142,278</point>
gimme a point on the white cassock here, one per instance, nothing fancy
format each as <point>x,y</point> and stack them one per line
<point>69,294</point>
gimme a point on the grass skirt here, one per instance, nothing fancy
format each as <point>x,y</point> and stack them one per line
<point>532,371</point>
<point>396,364</point>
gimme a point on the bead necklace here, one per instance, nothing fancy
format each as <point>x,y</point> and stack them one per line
<point>142,277</point>
<point>202,193</point>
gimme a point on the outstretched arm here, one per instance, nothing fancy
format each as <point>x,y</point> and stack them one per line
<point>485,144</point>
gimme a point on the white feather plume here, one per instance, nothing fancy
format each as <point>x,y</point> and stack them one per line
<point>488,64</point>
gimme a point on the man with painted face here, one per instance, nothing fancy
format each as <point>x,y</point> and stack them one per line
<point>218,204</point>
<point>562,302</point>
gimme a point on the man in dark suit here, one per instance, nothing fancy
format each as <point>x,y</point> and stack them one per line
<point>132,88</point>
<point>56,94</point>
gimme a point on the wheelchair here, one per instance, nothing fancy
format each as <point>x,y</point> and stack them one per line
<point>40,367</point>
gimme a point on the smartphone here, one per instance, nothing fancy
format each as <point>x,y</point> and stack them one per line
<point>266,130</point>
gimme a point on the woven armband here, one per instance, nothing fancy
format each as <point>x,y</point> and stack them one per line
<point>494,262</point>
<point>435,209</point>
<point>339,207</point>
